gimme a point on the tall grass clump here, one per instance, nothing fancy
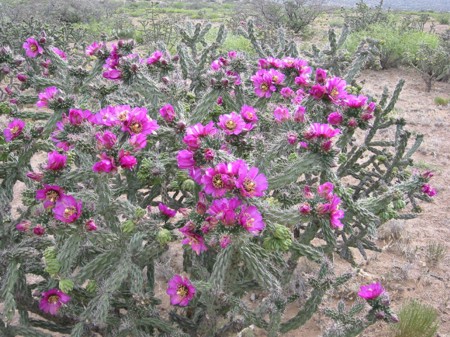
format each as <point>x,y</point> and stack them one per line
<point>416,320</point>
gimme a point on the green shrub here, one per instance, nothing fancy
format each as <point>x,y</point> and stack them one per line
<point>435,253</point>
<point>396,45</point>
<point>441,101</point>
<point>416,320</point>
<point>444,19</point>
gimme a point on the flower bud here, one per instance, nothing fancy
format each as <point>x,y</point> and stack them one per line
<point>22,77</point>
<point>23,226</point>
<point>90,225</point>
<point>39,230</point>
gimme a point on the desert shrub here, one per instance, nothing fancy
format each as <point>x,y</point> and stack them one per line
<point>295,15</point>
<point>416,320</point>
<point>363,16</point>
<point>435,253</point>
<point>396,46</point>
<point>444,19</point>
<point>240,166</point>
<point>432,63</point>
<point>441,101</point>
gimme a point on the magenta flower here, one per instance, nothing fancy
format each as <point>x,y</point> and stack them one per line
<point>23,226</point>
<point>90,225</point>
<point>224,241</point>
<point>77,116</point>
<point>13,130</point>
<point>335,88</point>
<point>335,118</point>
<point>317,91</point>
<point>112,74</point>
<point>326,190</point>
<point>60,53</point>
<point>22,77</point>
<point>251,219</point>
<point>192,238</point>
<point>332,209</point>
<point>106,164</point>
<point>185,159</point>
<point>39,230</point>
<point>355,102</point>
<point>50,194</point>
<point>55,161</point>
<point>167,112</point>
<point>105,140</point>
<point>305,208</point>
<point>52,300</point>
<point>318,130</point>
<point>287,92</point>
<point>126,160</point>
<point>262,82</point>
<point>248,113</point>
<point>225,210</point>
<point>216,180</point>
<point>281,114</point>
<point>321,75</point>
<point>371,291</point>
<point>138,141</point>
<point>250,183</point>
<point>36,176</point>
<point>155,57</point>
<point>180,290</point>
<point>166,211</point>
<point>138,122</point>
<point>67,209</point>
<point>428,190</point>
<point>32,48</point>
<point>93,48</point>
<point>232,124</point>
<point>299,114</point>
<point>292,138</point>
<point>45,97</point>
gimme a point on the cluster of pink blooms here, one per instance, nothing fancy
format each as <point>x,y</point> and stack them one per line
<point>351,111</point>
<point>47,96</point>
<point>371,291</point>
<point>229,185</point>
<point>323,204</point>
<point>134,122</point>
<point>426,188</point>
<point>222,69</point>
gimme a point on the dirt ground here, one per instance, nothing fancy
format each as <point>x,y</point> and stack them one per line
<point>402,266</point>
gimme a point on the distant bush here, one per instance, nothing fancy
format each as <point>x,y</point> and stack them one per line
<point>396,45</point>
<point>444,19</point>
<point>416,320</point>
<point>363,16</point>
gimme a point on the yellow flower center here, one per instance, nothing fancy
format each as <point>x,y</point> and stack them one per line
<point>334,92</point>
<point>249,185</point>
<point>275,79</point>
<point>250,115</point>
<point>53,299</point>
<point>136,127</point>
<point>33,48</point>
<point>231,125</point>
<point>182,291</point>
<point>52,195</point>
<point>68,212</point>
<point>264,87</point>
<point>217,181</point>
<point>14,130</point>
<point>123,116</point>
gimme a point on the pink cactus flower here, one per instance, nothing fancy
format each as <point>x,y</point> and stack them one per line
<point>67,209</point>
<point>251,183</point>
<point>181,290</point>
<point>167,112</point>
<point>52,300</point>
<point>251,220</point>
<point>231,124</point>
<point>166,211</point>
<point>55,161</point>
<point>32,48</point>
<point>371,291</point>
<point>13,130</point>
<point>126,160</point>
<point>46,96</point>
<point>106,164</point>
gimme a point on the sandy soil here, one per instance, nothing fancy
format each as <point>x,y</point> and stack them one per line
<point>402,266</point>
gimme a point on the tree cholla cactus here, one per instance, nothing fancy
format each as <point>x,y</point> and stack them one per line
<point>249,165</point>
